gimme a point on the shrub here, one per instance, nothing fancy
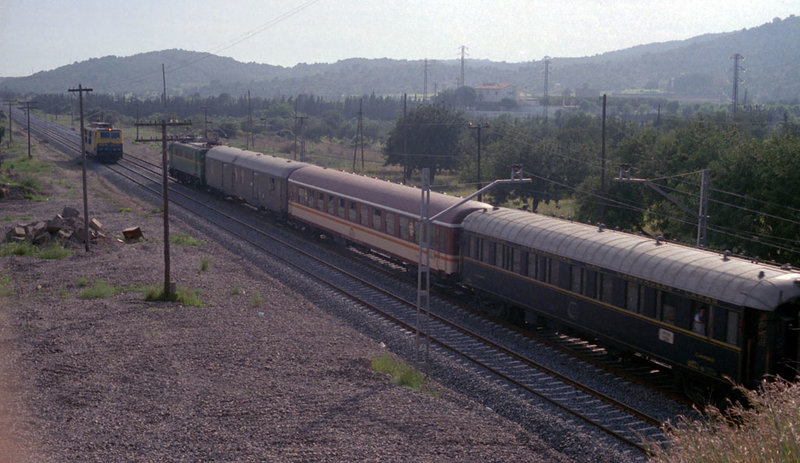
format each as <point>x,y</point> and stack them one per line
<point>766,429</point>
<point>182,295</point>
<point>401,373</point>
<point>99,290</point>
<point>19,248</point>
<point>54,251</point>
<point>184,239</point>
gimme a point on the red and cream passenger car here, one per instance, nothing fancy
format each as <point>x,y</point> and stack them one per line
<point>380,215</point>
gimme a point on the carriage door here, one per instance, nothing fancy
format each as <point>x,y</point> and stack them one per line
<point>787,350</point>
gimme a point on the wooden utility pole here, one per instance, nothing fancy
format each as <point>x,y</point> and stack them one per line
<point>478,127</point>
<point>603,167</point>
<point>359,137</point>
<point>27,109</point>
<point>250,134</point>
<point>80,91</point>
<point>9,124</point>
<point>168,289</point>
<point>302,120</point>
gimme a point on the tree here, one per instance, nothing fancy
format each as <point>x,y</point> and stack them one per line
<point>428,137</point>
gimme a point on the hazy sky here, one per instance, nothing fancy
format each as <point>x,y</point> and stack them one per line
<point>38,35</point>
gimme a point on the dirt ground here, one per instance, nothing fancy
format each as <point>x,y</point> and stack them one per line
<point>256,372</point>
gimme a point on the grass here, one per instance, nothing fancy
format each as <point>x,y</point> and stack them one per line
<point>18,248</point>
<point>401,373</point>
<point>184,239</point>
<point>54,252</point>
<point>766,430</point>
<point>51,251</point>
<point>255,300</point>
<point>5,286</point>
<point>182,295</point>
<point>205,264</point>
<point>100,289</point>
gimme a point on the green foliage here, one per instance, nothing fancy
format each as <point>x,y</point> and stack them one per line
<point>401,373</point>
<point>54,251</point>
<point>205,263</point>
<point>184,239</point>
<point>100,289</point>
<point>6,289</point>
<point>255,300</point>
<point>18,248</point>
<point>25,248</point>
<point>181,295</point>
<point>428,137</point>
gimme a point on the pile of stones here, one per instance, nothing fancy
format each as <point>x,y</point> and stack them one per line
<point>65,228</point>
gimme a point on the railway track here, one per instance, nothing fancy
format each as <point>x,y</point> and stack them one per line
<point>453,336</point>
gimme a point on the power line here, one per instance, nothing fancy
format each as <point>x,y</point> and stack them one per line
<point>247,35</point>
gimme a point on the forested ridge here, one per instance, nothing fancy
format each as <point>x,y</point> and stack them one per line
<point>697,68</point>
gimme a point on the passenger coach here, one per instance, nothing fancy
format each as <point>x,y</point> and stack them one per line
<point>705,314</point>
<point>378,214</point>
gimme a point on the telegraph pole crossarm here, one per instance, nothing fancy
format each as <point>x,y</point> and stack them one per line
<point>423,264</point>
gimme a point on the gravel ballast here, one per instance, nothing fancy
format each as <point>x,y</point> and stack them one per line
<point>256,373</point>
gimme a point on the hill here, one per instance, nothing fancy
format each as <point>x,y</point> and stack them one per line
<point>698,68</point>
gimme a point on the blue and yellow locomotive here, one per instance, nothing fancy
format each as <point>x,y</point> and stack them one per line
<point>103,142</point>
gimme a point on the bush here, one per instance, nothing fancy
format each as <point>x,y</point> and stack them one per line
<point>766,429</point>
<point>99,290</point>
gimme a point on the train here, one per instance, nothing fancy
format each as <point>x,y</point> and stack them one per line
<point>103,142</point>
<point>713,318</point>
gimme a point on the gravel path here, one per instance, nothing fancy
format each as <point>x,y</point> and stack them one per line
<point>257,373</point>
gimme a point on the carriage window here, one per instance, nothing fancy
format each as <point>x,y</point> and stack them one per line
<point>498,256</point>
<point>342,208</point>
<point>487,253</point>
<point>321,201</point>
<point>543,269</point>
<point>516,261</point>
<point>301,195</point>
<point>590,283</point>
<point>331,204</point>
<point>272,184</point>
<point>364,215</point>
<point>390,223</point>
<point>700,314</point>
<point>606,288</point>
<point>732,336</point>
<point>404,227</point>
<point>669,305</point>
<point>353,216</point>
<point>531,265</point>
<point>648,302</point>
<point>576,278</point>
<point>376,219</point>
<point>476,248</point>
<point>632,296</point>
